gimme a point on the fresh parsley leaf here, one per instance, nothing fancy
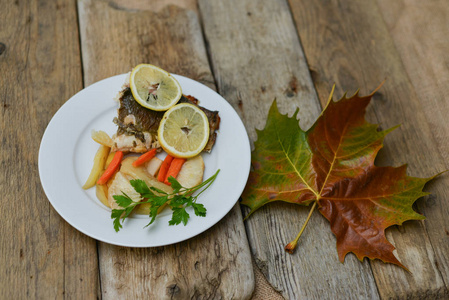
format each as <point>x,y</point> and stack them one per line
<point>117,224</point>
<point>199,209</point>
<point>140,186</point>
<point>128,210</point>
<point>122,200</point>
<point>178,201</point>
<point>176,186</point>
<point>179,215</point>
<point>116,214</point>
<point>148,195</point>
<point>153,214</point>
<point>158,201</point>
<point>158,190</point>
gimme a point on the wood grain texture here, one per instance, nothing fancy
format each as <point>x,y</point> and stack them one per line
<point>41,256</point>
<point>215,264</point>
<point>419,30</point>
<point>256,57</point>
<point>136,36</point>
<point>348,43</point>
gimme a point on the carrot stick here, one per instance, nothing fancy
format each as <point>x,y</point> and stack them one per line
<point>144,157</point>
<point>164,168</point>
<point>113,166</point>
<point>174,169</point>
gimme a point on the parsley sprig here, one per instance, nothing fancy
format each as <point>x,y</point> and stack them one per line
<point>178,201</point>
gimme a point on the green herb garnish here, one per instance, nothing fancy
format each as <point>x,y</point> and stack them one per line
<point>179,200</point>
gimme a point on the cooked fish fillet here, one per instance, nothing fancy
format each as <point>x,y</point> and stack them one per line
<point>137,125</point>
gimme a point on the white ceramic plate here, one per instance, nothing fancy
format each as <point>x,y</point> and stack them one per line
<point>66,156</point>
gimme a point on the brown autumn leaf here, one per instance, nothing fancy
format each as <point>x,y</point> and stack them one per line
<point>332,166</point>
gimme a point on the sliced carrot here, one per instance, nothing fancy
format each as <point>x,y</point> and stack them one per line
<point>174,169</point>
<point>113,166</point>
<point>164,168</point>
<point>144,157</point>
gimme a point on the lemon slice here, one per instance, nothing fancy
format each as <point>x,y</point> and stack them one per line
<point>154,88</point>
<point>183,131</point>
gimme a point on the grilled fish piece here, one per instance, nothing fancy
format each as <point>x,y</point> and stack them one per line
<point>137,125</point>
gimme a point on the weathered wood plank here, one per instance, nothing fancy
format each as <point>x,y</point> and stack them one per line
<point>256,57</point>
<point>216,264</point>
<point>419,30</point>
<point>41,257</point>
<point>347,43</point>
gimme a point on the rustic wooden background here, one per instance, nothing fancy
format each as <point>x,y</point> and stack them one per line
<point>250,52</point>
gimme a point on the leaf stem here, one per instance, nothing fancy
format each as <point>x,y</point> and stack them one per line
<point>290,248</point>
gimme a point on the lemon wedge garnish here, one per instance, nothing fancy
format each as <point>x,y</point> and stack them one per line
<point>183,131</point>
<point>154,88</point>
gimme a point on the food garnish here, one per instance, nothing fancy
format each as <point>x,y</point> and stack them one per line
<point>154,88</point>
<point>331,167</point>
<point>180,199</point>
<point>184,131</point>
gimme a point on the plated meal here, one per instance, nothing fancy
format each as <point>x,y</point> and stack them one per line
<point>67,153</point>
<point>154,116</point>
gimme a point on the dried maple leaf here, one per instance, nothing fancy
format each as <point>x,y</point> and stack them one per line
<point>332,166</point>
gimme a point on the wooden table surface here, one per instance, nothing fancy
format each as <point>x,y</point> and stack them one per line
<point>250,52</point>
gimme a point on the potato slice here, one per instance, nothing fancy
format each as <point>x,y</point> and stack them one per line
<point>153,166</point>
<point>119,186</point>
<point>191,173</point>
<point>102,138</point>
<point>99,162</point>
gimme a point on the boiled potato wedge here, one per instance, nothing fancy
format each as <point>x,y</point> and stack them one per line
<point>109,159</point>
<point>98,167</point>
<point>102,138</point>
<point>102,193</point>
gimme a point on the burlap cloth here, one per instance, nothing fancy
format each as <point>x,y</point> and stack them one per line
<point>263,290</point>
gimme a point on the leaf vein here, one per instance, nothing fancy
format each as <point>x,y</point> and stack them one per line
<point>291,163</point>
